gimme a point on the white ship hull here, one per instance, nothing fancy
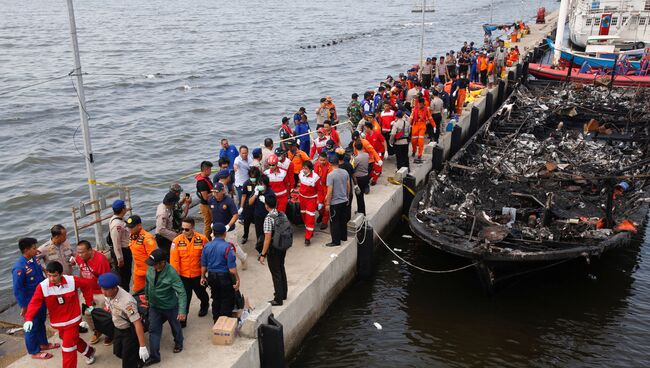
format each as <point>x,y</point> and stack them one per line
<point>630,21</point>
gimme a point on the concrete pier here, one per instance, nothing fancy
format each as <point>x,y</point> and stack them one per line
<point>316,274</point>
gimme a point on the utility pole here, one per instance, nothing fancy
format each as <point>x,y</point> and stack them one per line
<point>424,5</point>
<point>491,10</point>
<point>88,151</point>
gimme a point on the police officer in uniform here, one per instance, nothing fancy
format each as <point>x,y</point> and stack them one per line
<point>129,331</point>
<point>27,274</point>
<point>58,249</point>
<point>219,263</point>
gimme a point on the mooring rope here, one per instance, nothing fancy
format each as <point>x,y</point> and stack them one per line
<point>364,226</point>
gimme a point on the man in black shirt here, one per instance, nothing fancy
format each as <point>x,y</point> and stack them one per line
<point>463,64</point>
<point>203,189</point>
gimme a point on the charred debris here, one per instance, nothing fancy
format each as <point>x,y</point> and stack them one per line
<point>560,171</point>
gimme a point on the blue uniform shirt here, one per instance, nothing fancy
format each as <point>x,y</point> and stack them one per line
<point>218,256</point>
<point>231,153</point>
<point>303,128</point>
<point>222,211</point>
<point>27,274</point>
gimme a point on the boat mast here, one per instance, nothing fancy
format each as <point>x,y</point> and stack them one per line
<point>424,5</point>
<point>559,34</point>
<point>88,152</point>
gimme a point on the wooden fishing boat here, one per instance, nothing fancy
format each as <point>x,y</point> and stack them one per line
<point>532,189</point>
<point>542,71</point>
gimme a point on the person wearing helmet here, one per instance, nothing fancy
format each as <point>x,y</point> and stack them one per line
<point>279,181</point>
<point>330,147</point>
<point>319,143</point>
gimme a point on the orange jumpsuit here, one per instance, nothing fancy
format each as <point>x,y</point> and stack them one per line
<point>419,120</point>
<point>323,171</point>
<point>185,254</point>
<point>142,244</point>
<point>460,99</point>
<point>309,189</point>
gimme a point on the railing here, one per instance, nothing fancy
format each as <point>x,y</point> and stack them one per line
<point>85,210</point>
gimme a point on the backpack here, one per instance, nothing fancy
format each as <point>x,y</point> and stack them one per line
<point>283,233</point>
<point>109,240</point>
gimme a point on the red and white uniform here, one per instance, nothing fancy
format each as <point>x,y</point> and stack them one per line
<point>308,189</point>
<point>318,146</point>
<point>281,183</point>
<point>377,141</point>
<point>386,119</point>
<point>288,166</point>
<point>333,134</point>
<point>322,171</point>
<point>62,302</point>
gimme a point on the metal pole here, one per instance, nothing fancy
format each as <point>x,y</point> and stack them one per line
<point>491,10</point>
<point>90,169</point>
<point>559,34</point>
<point>424,5</point>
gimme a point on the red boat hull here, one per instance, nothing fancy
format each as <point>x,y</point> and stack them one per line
<point>541,71</point>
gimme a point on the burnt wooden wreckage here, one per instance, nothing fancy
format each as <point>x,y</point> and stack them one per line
<point>559,173</point>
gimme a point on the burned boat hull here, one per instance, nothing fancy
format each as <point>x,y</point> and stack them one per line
<point>559,205</point>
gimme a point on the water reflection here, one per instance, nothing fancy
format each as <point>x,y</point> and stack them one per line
<point>572,315</point>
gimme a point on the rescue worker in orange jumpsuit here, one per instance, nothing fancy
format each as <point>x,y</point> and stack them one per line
<point>185,257</point>
<point>322,168</point>
<point>376,139</point>
<point>59,293</point>
<point>279,181</point>
<point>141,245</point>
<point>297,157</point>
<point>309,204</point>
<point>419,120</point>
<point>482,62</point>
<point>463,84</point>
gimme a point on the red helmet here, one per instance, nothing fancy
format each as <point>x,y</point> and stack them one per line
<point>321,130</point>
<point>272,160</point>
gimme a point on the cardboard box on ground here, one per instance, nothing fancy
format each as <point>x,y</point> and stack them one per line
<point>224,331</point>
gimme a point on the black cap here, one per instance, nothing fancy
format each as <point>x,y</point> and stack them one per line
<point>279,151</point>
<point>285,119</point>
<point>170,198</point>
<point>158,255</point>
<point>355,135</point>
<point>133,220</point>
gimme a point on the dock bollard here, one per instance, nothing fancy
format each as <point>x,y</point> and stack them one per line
<point>489,106</point>
<point>456,140</point>
<point>271,343</point>
<point>409,184</point>
<point>365,251</point>
<point>501,92</point>
<point>511,82</point>
<point>473,121</point>
<point>438,158</point>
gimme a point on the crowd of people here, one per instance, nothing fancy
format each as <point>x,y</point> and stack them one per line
<point>307,178</point>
